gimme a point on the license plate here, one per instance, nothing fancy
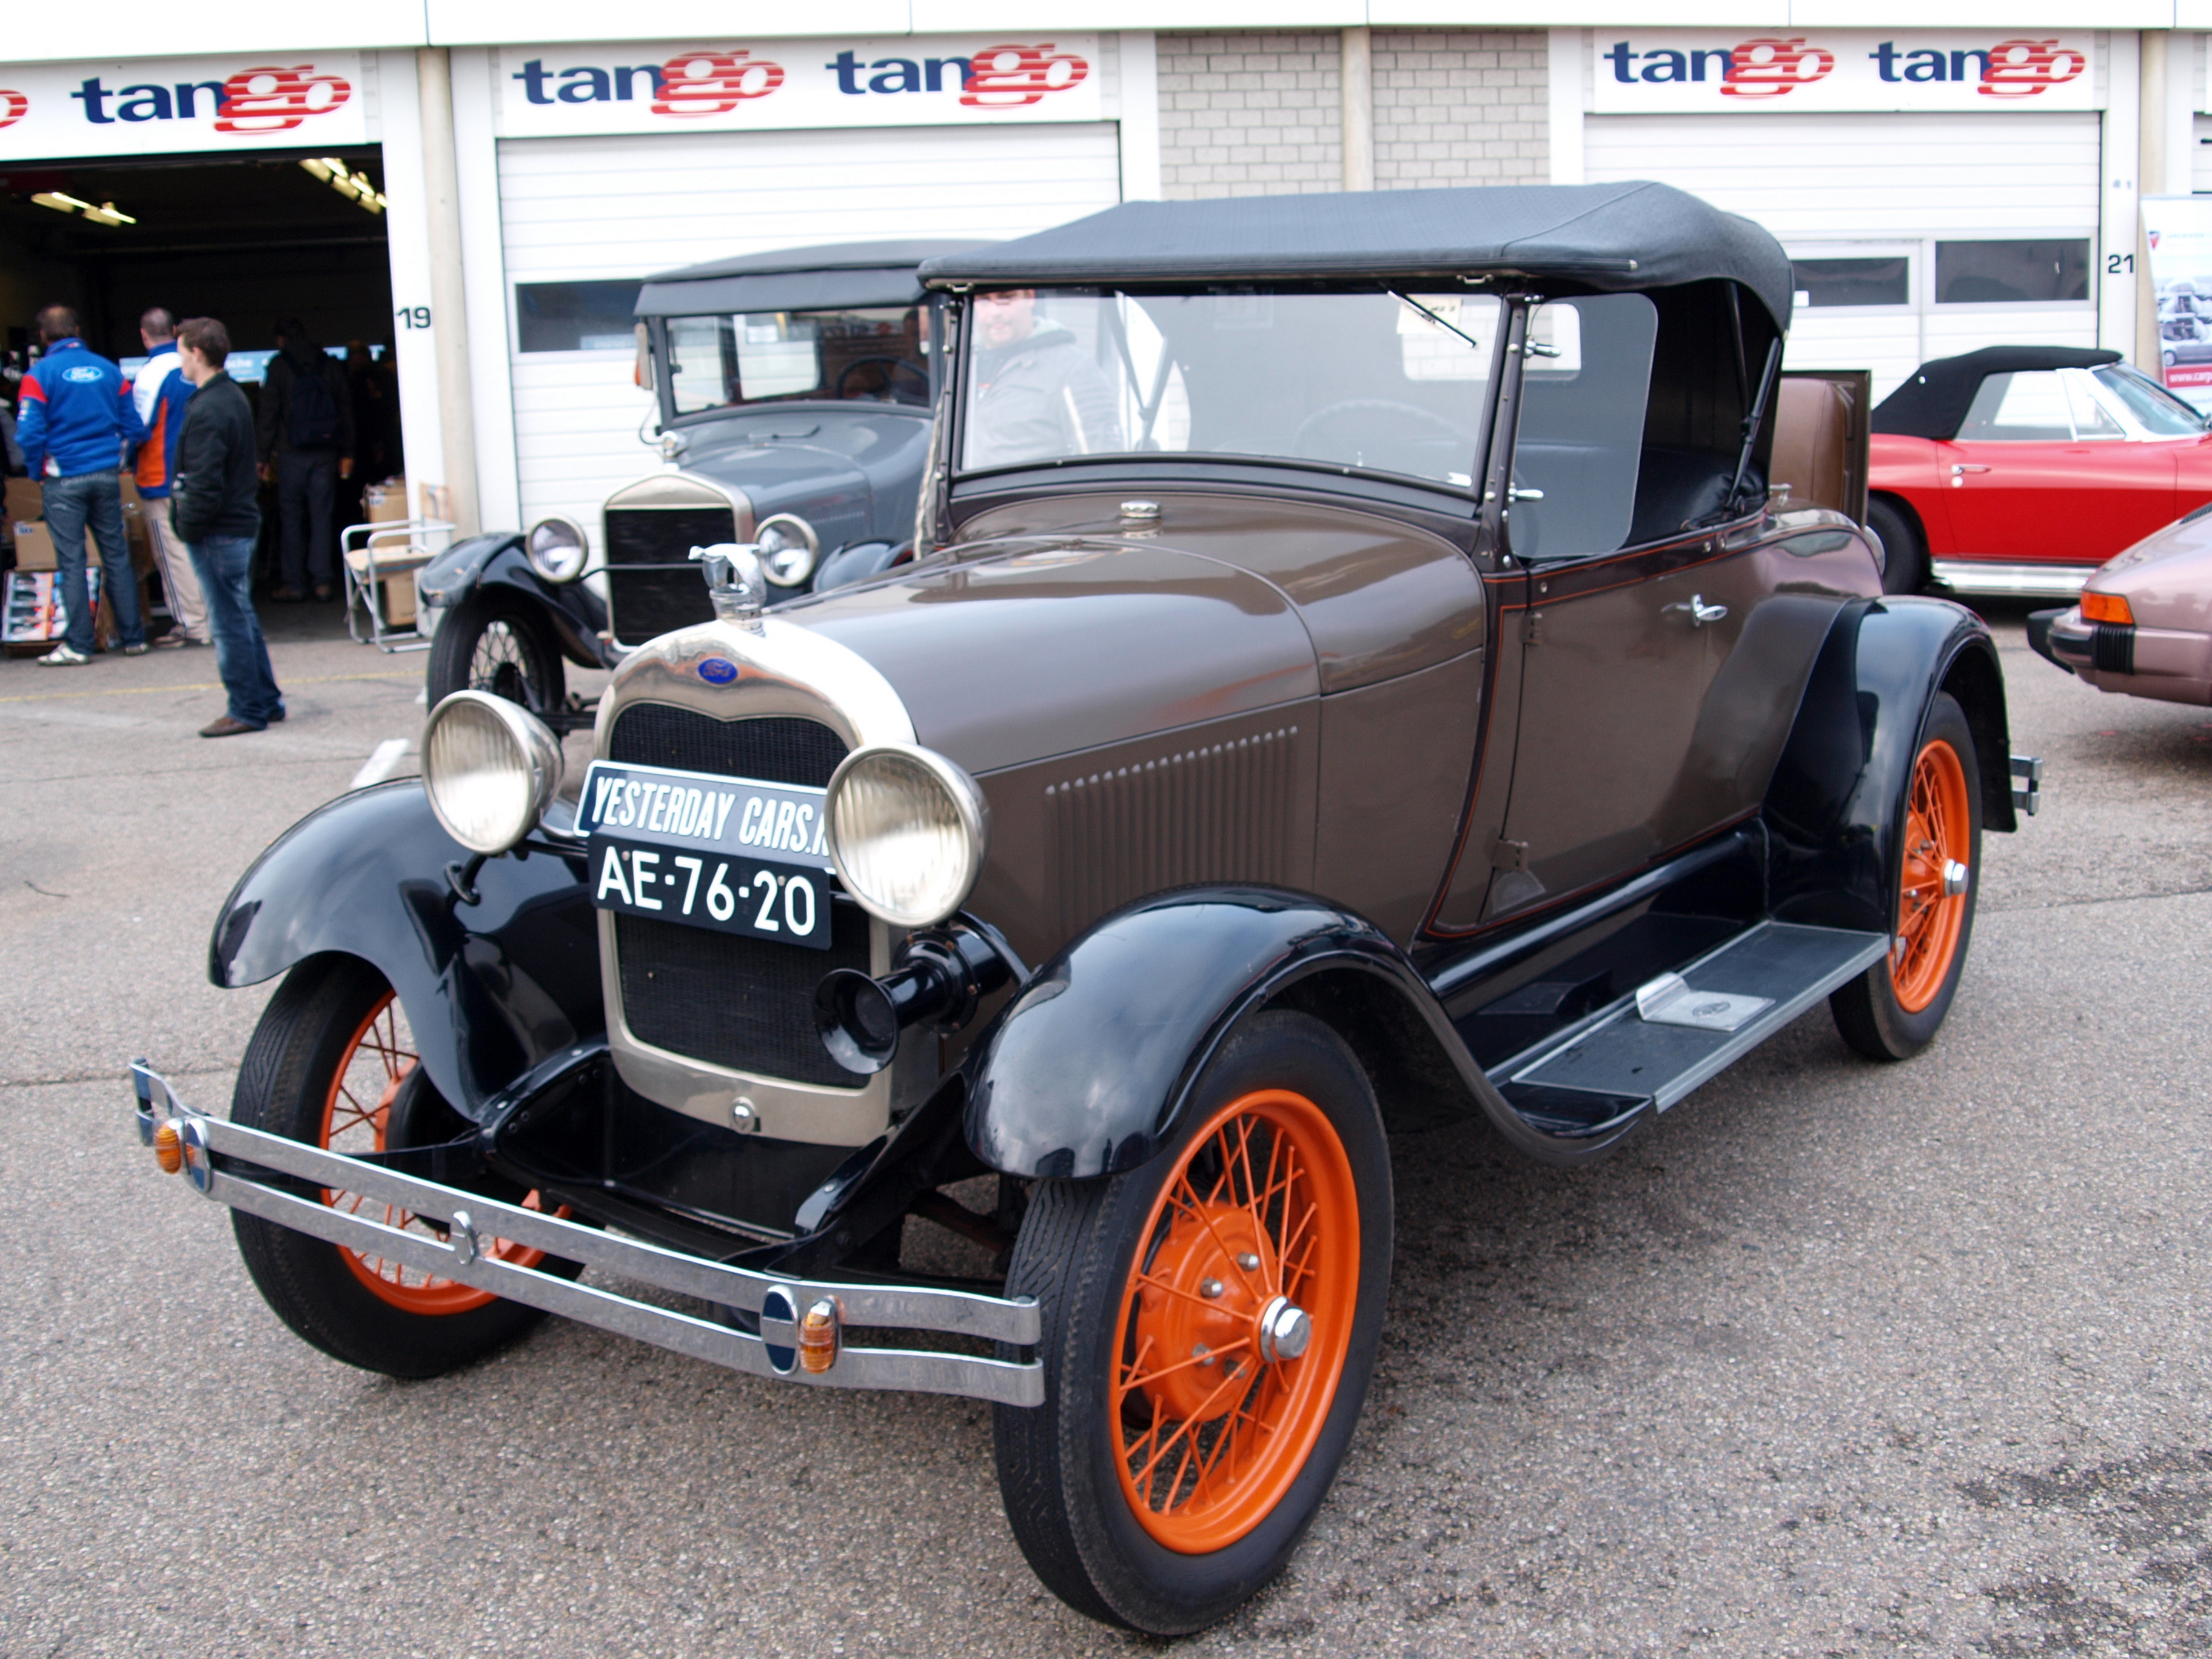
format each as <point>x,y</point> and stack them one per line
<point>735,854</point>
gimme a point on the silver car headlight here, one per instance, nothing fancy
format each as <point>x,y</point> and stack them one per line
<point>789,547</point>
<point>907,830</point>
<point>556,549</point>
<point>489,767</point>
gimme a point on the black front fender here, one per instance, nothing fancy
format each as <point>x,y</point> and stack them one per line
<point>496,563</point>
<point>490,989</point>
<point>1088,1069</point>
<point>1835,810</point>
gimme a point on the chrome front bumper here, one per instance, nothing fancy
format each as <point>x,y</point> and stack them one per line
<point>802,1321</point>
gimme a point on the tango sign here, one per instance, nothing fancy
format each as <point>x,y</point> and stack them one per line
<point>57,110</point>
<point>567,91</point>
<point>1845,70</point>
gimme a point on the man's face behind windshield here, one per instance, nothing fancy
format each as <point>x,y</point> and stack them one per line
<point>1005,318</point>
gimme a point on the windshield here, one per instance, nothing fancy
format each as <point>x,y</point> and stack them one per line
<point>774,357</point>
<point>1359,379</point>
<point>2157,410</point>
<point>1388,382</point>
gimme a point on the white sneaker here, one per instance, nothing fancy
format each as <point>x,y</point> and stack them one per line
<point>62,657</point>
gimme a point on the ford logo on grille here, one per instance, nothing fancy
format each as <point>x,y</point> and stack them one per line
<point>718,671</point>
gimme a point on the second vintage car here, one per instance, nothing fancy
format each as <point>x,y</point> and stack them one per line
<point>2143,624</point>
<point>1355,682</point>
<point>793,393</point>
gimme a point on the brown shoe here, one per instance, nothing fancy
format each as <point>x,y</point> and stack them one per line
<point>227,727</point>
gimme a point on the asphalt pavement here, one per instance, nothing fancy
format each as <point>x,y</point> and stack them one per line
<point>1838,1358</point>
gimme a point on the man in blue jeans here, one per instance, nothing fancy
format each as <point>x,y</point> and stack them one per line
<point>79,423</point>
<point>217,516</point>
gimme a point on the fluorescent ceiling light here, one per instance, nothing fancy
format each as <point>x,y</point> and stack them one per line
<point>104,214</point>
<point>354,187</point>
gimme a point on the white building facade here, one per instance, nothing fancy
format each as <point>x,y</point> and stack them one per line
<point>1946,176</point>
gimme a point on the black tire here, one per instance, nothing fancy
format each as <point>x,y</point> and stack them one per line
<point>1868,1011</point>
<point>493,643</point>
<point>1905,569</point>
<point>305,1035</point>
<point>1060,1464</point>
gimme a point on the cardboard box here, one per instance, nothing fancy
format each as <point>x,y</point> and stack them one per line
<point>387,503</point>
<point>400,601</point>
<point>26,501</point>
<point>35,545</point>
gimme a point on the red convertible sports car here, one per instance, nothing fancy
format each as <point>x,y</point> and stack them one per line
<point>2021,469</point>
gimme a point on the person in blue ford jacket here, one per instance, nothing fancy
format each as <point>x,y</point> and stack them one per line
<point>79,424</point>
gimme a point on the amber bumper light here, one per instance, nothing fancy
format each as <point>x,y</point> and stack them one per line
<point>2106,608</point>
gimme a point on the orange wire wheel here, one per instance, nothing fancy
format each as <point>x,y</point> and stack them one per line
<point>1236,1321</point>
<point>1932,911</point>
<point>356,1115</point>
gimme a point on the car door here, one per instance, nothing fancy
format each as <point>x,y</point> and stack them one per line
<point>2041,472</point>
<point>1617,652</point>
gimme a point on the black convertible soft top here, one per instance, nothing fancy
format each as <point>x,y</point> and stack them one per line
<point>830,277</point>
<point>1935,401</point>
<point>1609,237</point>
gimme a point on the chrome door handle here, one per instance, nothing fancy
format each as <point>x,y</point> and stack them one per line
<point>1700,613</point>
<point>1960,469</point>
<point>1516,493</point>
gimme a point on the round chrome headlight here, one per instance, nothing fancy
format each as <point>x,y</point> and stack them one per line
<point>907,832</point>
<point>556,549</point>
<point>489,767</point>
<point>789,549</point>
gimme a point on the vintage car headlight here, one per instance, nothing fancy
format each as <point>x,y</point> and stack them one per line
<point>557,549</point>
<point>907,832</point>
<point>789,549</point>
<point>489,767</point>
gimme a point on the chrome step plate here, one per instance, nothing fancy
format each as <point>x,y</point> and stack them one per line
<point>1624,1054</point>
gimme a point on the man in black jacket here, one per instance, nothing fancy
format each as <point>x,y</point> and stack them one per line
<point>306,441</point>
<point>216,515</point>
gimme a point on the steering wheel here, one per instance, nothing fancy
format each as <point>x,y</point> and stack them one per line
<point>1374,406</point>
<point>893,367</point>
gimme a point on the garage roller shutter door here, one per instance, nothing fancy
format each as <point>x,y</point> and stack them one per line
<point>581,209</point>
<point>1818,180</point>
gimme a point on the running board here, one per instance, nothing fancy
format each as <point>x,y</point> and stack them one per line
<point>1647,1051</point>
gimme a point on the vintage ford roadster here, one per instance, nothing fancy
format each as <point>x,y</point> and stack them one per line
<point>1357,680</point>
<point>791,392</point>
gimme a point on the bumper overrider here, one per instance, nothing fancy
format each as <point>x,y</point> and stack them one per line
<point>801,1322</point>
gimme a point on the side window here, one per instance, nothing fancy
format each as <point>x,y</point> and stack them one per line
<point>1580,433</point>
<point>2026,406</point>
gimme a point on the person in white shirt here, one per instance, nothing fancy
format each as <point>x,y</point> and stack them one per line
<point>161,391</point>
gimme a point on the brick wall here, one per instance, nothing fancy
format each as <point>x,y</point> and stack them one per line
<point>1260,113</point>
<point>1460,107</point>
<point>1249,114</point>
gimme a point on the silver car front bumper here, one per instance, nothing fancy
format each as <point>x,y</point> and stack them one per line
<point>802,1321</point>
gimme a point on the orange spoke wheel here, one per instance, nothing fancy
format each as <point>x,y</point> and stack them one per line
<point>1894,1010</point>
<point>333,1063</point>
<point>1236,1320</point>
<point>1211,1314</point>
<point>356,1116</point>
<point>1931,908</point>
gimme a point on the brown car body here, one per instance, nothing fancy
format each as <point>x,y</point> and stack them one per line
<point>1235,743</point>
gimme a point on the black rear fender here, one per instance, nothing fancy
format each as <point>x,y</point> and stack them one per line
<point>490,989</point>
<point>1835,809</point>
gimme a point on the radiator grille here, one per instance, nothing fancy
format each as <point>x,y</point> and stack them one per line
<point>653,587</point>
<point>666,535</point>
<point>1220,812</point>
<point>774,749</point>
<point>747,1004</point>
<point>2113,648</point>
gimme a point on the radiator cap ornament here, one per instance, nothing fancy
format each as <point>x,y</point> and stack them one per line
<point>734,581</point>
